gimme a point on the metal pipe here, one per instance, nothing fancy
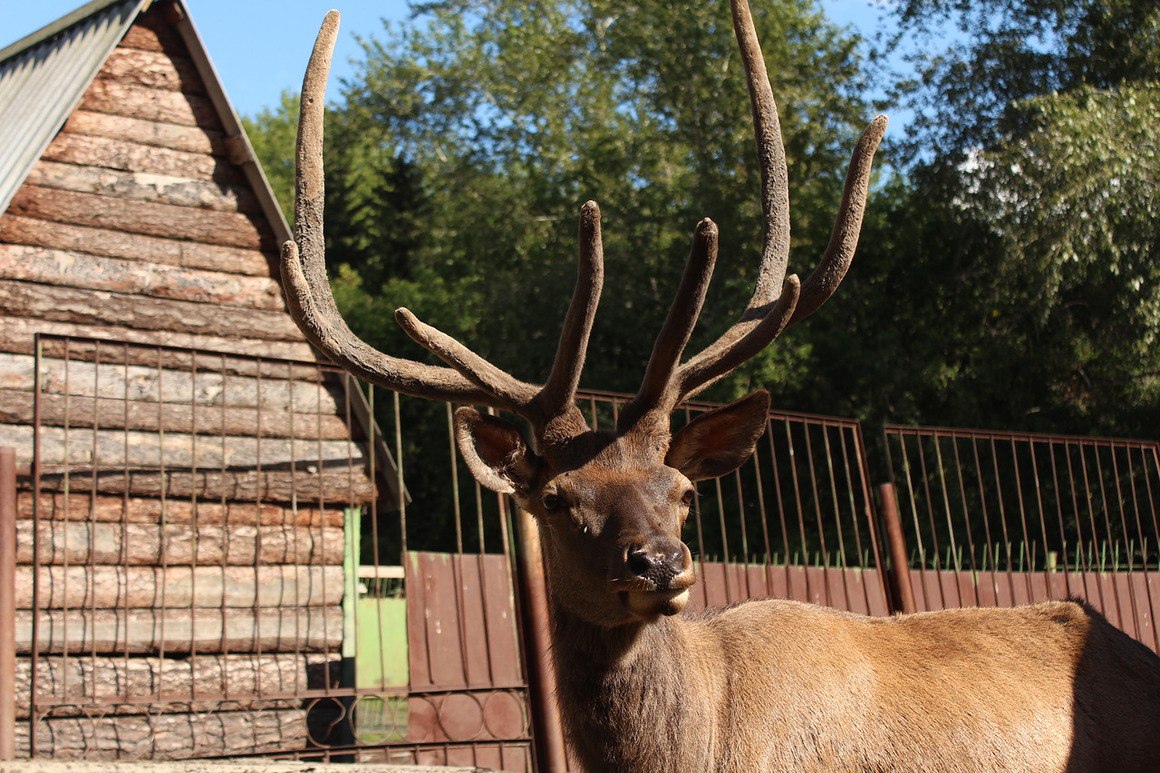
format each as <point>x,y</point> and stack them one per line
<point>898,579</point>
<point>7,603</point>
<point>546,724</point>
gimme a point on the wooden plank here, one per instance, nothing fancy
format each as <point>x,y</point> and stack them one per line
<point>755,584</point>
<point>798,587</point>
<point>96,240</point>
<point>170,378</point>
<point>1146,623</point>
<point>348,487</point>
<point>97,307</point>
<point>168,186</point>
<point>178,631</point>
<point>877,593</point>
<point>174,684</point>
<point>227,229</point>
<point>141,587</point>
<point>56,410</point>
<point>91,156</point>
<point>80,270</point>
<point>152,33</point>
<point>777,580</point>
<point>116,98</point>
<point>837,588</point>
<point>192,139</point>
<point>166,736</point>
<point>107,509</point>
<point>152,69</point>
<point>134,544</point>
<point>81,447</point>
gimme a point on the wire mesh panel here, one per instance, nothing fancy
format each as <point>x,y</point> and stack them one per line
<point>182,546</point>
<point>995,518</point>
<point>795,521</point>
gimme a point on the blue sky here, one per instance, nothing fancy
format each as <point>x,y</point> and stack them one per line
<point>259,47</point>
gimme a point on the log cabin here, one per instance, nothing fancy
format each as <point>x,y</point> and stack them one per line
<point>189,462</point>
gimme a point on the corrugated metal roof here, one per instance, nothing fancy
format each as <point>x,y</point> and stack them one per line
<point>44,76</point>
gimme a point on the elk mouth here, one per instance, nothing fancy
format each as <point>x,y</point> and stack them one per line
<point>646,600</point>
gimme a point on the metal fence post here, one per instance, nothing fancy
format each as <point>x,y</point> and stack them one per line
<point>7,603</point>
<point>546,724</point>
<point>902,594</point>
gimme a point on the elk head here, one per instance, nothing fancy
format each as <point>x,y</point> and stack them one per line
<point>610,504</point>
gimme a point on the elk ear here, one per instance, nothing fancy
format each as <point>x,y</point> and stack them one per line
<point>495,452</point>
<point>718,442</point>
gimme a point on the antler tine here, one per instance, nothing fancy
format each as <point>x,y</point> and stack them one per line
<point>308,291</point>
<point>770,312</point>
<point>771,161</point>
<point>559,390</point>
<point>658,388</point>
<point>831,270</point>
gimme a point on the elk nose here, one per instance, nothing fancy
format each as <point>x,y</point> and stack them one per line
<point>659,563</point>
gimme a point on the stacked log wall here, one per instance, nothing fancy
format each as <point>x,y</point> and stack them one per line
<point>189,508</point>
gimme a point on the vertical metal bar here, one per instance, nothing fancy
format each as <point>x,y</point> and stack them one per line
<point>33,692</point>
<point>966,519</point>
<point>455,480</point>
<point>8,603</point>
<point>906,469</point>
<point>899,576</point>
<point>547,728</point>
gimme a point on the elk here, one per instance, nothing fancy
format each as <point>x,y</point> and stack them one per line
<point>768,685</point>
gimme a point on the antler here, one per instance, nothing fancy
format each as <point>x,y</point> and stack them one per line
<point>667,382</point>
<point>470,378</point>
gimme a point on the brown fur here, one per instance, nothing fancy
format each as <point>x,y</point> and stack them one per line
<point>778,685</point>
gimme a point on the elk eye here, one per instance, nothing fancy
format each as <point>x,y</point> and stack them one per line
<point>552,502</point>
<point>688,497</point>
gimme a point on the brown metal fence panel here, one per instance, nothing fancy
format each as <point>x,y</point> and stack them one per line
<point>1000,518</point>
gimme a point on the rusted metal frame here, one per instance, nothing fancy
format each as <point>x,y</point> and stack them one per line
<point>966,520</point>
<point>1002,513</point>
<point>912,499</point>
<point>929,502</point>
<point>1143,551</point>
<point>1063,543</point>
<point>724,535</point>
<point>697,520</point>
<point>841,560</point>
<point>454,454</point>
<point>777,498</point>
<point>987,434</point>
<point>222,370</point>
<point>867,512</point>
<point>767,558</point>
<point>1092,521</point>
<point>34,682</point>
<point>92,562</point>
<point>744,531</point>
<point>1155,527</point>
<point>798,501</point>
<point>125,478</point>
<point>1023,520</point>
<point>7,603</point>
<point>1083,563</point>
<point>67,492</point>
<point>1108,529</point>
<point>989,555</point>
<point>1127,544</point>
<point>956,562</point>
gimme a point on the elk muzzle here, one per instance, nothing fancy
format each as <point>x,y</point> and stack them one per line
<point>656,577</point>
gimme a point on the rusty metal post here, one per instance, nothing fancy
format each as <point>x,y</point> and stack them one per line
<point>902,592</point>
<point>7,603</point>
<point>548,730</point>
